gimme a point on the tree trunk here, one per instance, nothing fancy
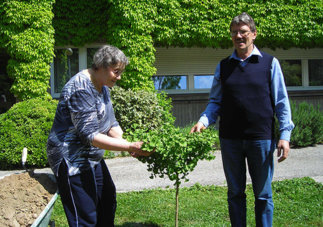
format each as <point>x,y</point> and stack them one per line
<point>176,212</point>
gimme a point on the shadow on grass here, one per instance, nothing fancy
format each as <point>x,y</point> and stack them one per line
<point>133,224</point>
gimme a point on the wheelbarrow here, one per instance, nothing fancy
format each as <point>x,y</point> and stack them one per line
<point>43,220</point>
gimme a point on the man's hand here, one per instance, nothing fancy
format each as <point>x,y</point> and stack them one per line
<point>198,127</point>
<point>282,150</point>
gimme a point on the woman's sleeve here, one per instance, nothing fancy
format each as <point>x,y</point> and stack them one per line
<point>82,106</point>
<point>114,122</point>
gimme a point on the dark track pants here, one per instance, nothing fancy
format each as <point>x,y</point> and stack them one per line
<point>89,198</point>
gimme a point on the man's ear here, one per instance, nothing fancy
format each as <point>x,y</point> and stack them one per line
<point>254,35</point>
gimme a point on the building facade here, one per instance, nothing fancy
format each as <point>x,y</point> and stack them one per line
<point>186,74</point>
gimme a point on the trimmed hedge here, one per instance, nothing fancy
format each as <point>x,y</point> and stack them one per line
<point>141,109</point>
<point>308,121</point>
<point>26,124</point>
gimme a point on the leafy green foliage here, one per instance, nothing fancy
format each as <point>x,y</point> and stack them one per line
<point>308,122</point>
<point>145,116</point>
<point>141,109</point>
<point>28,37</point>
<point>138,28</point>
<point>132,34</point>
<point>176,151</point>
<point>27,31</point>
<point>78,23</point>
<point>26,124</point>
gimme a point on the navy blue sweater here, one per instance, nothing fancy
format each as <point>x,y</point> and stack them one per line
<point>247,110</point>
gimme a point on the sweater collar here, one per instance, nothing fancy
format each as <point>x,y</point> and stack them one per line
<point>255,51</point>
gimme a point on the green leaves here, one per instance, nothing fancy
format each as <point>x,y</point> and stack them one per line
<point>27,30</point>
<point>28,37</point>
<point>308,122</point>
<point>141,109</point>
<point>205,24</point>
<point>176,151</point>
<point>26,124</point>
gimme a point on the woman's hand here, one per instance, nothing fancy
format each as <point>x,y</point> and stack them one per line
<point>119,144</point>
<point>135,150</point>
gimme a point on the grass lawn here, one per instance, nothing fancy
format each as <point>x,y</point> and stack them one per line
<point>298,202</point>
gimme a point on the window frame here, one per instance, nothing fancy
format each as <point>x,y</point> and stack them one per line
<point>82,65</point>
<point>305,81</point>
<point>174,90</point>
<point>279,54</point>
<point>200,75</point>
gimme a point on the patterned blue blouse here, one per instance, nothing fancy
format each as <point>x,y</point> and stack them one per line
<point>82,113</point>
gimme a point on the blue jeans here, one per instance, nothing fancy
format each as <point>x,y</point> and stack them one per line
<point>259,155</point>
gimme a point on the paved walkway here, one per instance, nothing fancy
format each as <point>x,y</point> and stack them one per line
<point>131,175</point>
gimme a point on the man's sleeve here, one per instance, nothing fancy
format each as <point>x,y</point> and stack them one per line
<point>211,113</point>
<point>281,101</point>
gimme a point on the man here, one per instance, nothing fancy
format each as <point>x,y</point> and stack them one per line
<point>247,90</point>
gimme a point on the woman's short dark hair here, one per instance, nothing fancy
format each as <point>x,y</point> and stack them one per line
<point>107,56</point>
<point>244,18</point>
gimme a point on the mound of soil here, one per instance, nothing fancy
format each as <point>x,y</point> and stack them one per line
<point>23,197</point>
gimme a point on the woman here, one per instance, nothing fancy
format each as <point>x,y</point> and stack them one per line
<point>84,127</point>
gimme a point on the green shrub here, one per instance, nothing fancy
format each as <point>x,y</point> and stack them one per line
<point>308,122</point>
<point>176,152</point>
<point>141,109</point>
<point>26,124</point>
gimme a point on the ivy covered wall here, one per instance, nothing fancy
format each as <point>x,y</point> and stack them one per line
<point>78,22</point>
<point>27,35</point>
<point>280,23</point>
<point>138,26</point>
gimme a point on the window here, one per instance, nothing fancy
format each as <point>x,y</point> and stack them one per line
<point>292,71</point>
<point>66,64</point>
<point>203,81</point>
<point>315,71</point>
<point>190,70</point>
<point>170,82</point>
<point>89,56</point>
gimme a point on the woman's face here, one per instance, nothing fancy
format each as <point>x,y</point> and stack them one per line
<point>112,74</point>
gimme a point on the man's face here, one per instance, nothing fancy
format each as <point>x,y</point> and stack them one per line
<point>242,37</point>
